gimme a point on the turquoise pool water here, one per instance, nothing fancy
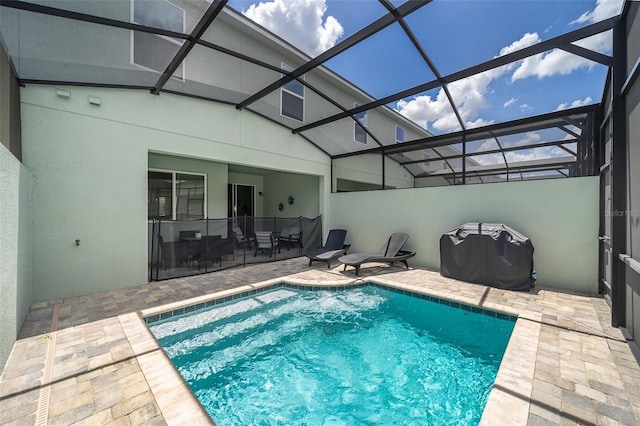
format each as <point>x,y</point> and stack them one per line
<point>351,357</point>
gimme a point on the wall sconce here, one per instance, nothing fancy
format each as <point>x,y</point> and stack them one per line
<point>63,93</point>
<point>77,242</point>
<point>260,194</point>
<point>280,206</point>
<point>290,200</point>
<point>94,100</point>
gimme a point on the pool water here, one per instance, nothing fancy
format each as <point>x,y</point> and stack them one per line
<point>350,357</point>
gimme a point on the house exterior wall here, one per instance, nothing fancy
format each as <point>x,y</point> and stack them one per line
<point>303,189</point>
<point>15,250</point>
<point>367,168</point>
<point>632,216</point>
<point>633,127</point>
<point>206,72</point>
<point>89,166</point>
<point>15,219</point>
<point>560,217</point>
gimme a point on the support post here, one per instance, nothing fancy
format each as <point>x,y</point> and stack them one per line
<point>618,216</point>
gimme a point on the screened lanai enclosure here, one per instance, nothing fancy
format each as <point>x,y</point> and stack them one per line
<point>172,47</point>
<point>393,95</point>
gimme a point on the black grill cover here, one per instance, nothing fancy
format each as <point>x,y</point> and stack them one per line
<point>487,253</point>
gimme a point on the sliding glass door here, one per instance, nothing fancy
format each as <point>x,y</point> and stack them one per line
<point>241,200</point>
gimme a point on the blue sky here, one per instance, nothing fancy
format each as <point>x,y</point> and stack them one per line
<point>456,34</point>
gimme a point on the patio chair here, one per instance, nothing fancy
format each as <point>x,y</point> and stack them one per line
<point>389,253</point>
<point>265,241</point>
<point>210,250</point>
<point>172,253</point>
<point>333,247</point>
<point>290,236</point>
<point>241,240</point>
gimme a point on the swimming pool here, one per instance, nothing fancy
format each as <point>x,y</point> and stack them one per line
<point>361,356</point>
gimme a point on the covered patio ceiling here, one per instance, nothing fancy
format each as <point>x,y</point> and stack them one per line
<point>552,143</point>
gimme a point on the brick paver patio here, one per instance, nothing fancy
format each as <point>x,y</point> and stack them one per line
<point>91,360</point>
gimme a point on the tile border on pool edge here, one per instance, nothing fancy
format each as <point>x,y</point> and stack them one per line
<point>193,307</point>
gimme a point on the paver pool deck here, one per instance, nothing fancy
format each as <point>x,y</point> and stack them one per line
<point>91,360</point>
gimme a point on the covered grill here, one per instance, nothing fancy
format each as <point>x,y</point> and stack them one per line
<point>488,253</point>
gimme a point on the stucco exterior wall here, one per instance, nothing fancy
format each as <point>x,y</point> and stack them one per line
<point>89,166</point>
<point>15,256</point>
<point>560,217</point>
<point>367,168</point>
<point>303,188</point>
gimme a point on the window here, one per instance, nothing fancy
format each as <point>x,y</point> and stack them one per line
<point>360,135</point>
<point>154,51</point>
<point>292,98</point>
<point>175,195</point>
<point>399,134</point>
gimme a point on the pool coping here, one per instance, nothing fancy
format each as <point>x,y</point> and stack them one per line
<point>508,402</point>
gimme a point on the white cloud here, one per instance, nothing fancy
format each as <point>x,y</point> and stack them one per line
<point>526,107</point>
<point>470,97</point>
<point>561,62</point>
<point>470,94</point>
<point>301,22</point>
<point>491,144</point>
<point>549,64</point>
<point>527,139</point>
<point>542,153</point>
<point>604,9</point>
<point>575,104</point>
<point>512,157</point>
<point>528,39</point>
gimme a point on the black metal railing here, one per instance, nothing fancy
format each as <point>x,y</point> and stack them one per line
<point>179,248</point>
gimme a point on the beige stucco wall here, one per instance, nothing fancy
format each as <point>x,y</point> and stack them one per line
<point>560,217</point>
<point>15,256</point>
<point>89,166</point>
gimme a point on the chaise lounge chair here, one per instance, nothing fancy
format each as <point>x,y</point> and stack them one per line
<point>391,252</point>
<point>333,247</point>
